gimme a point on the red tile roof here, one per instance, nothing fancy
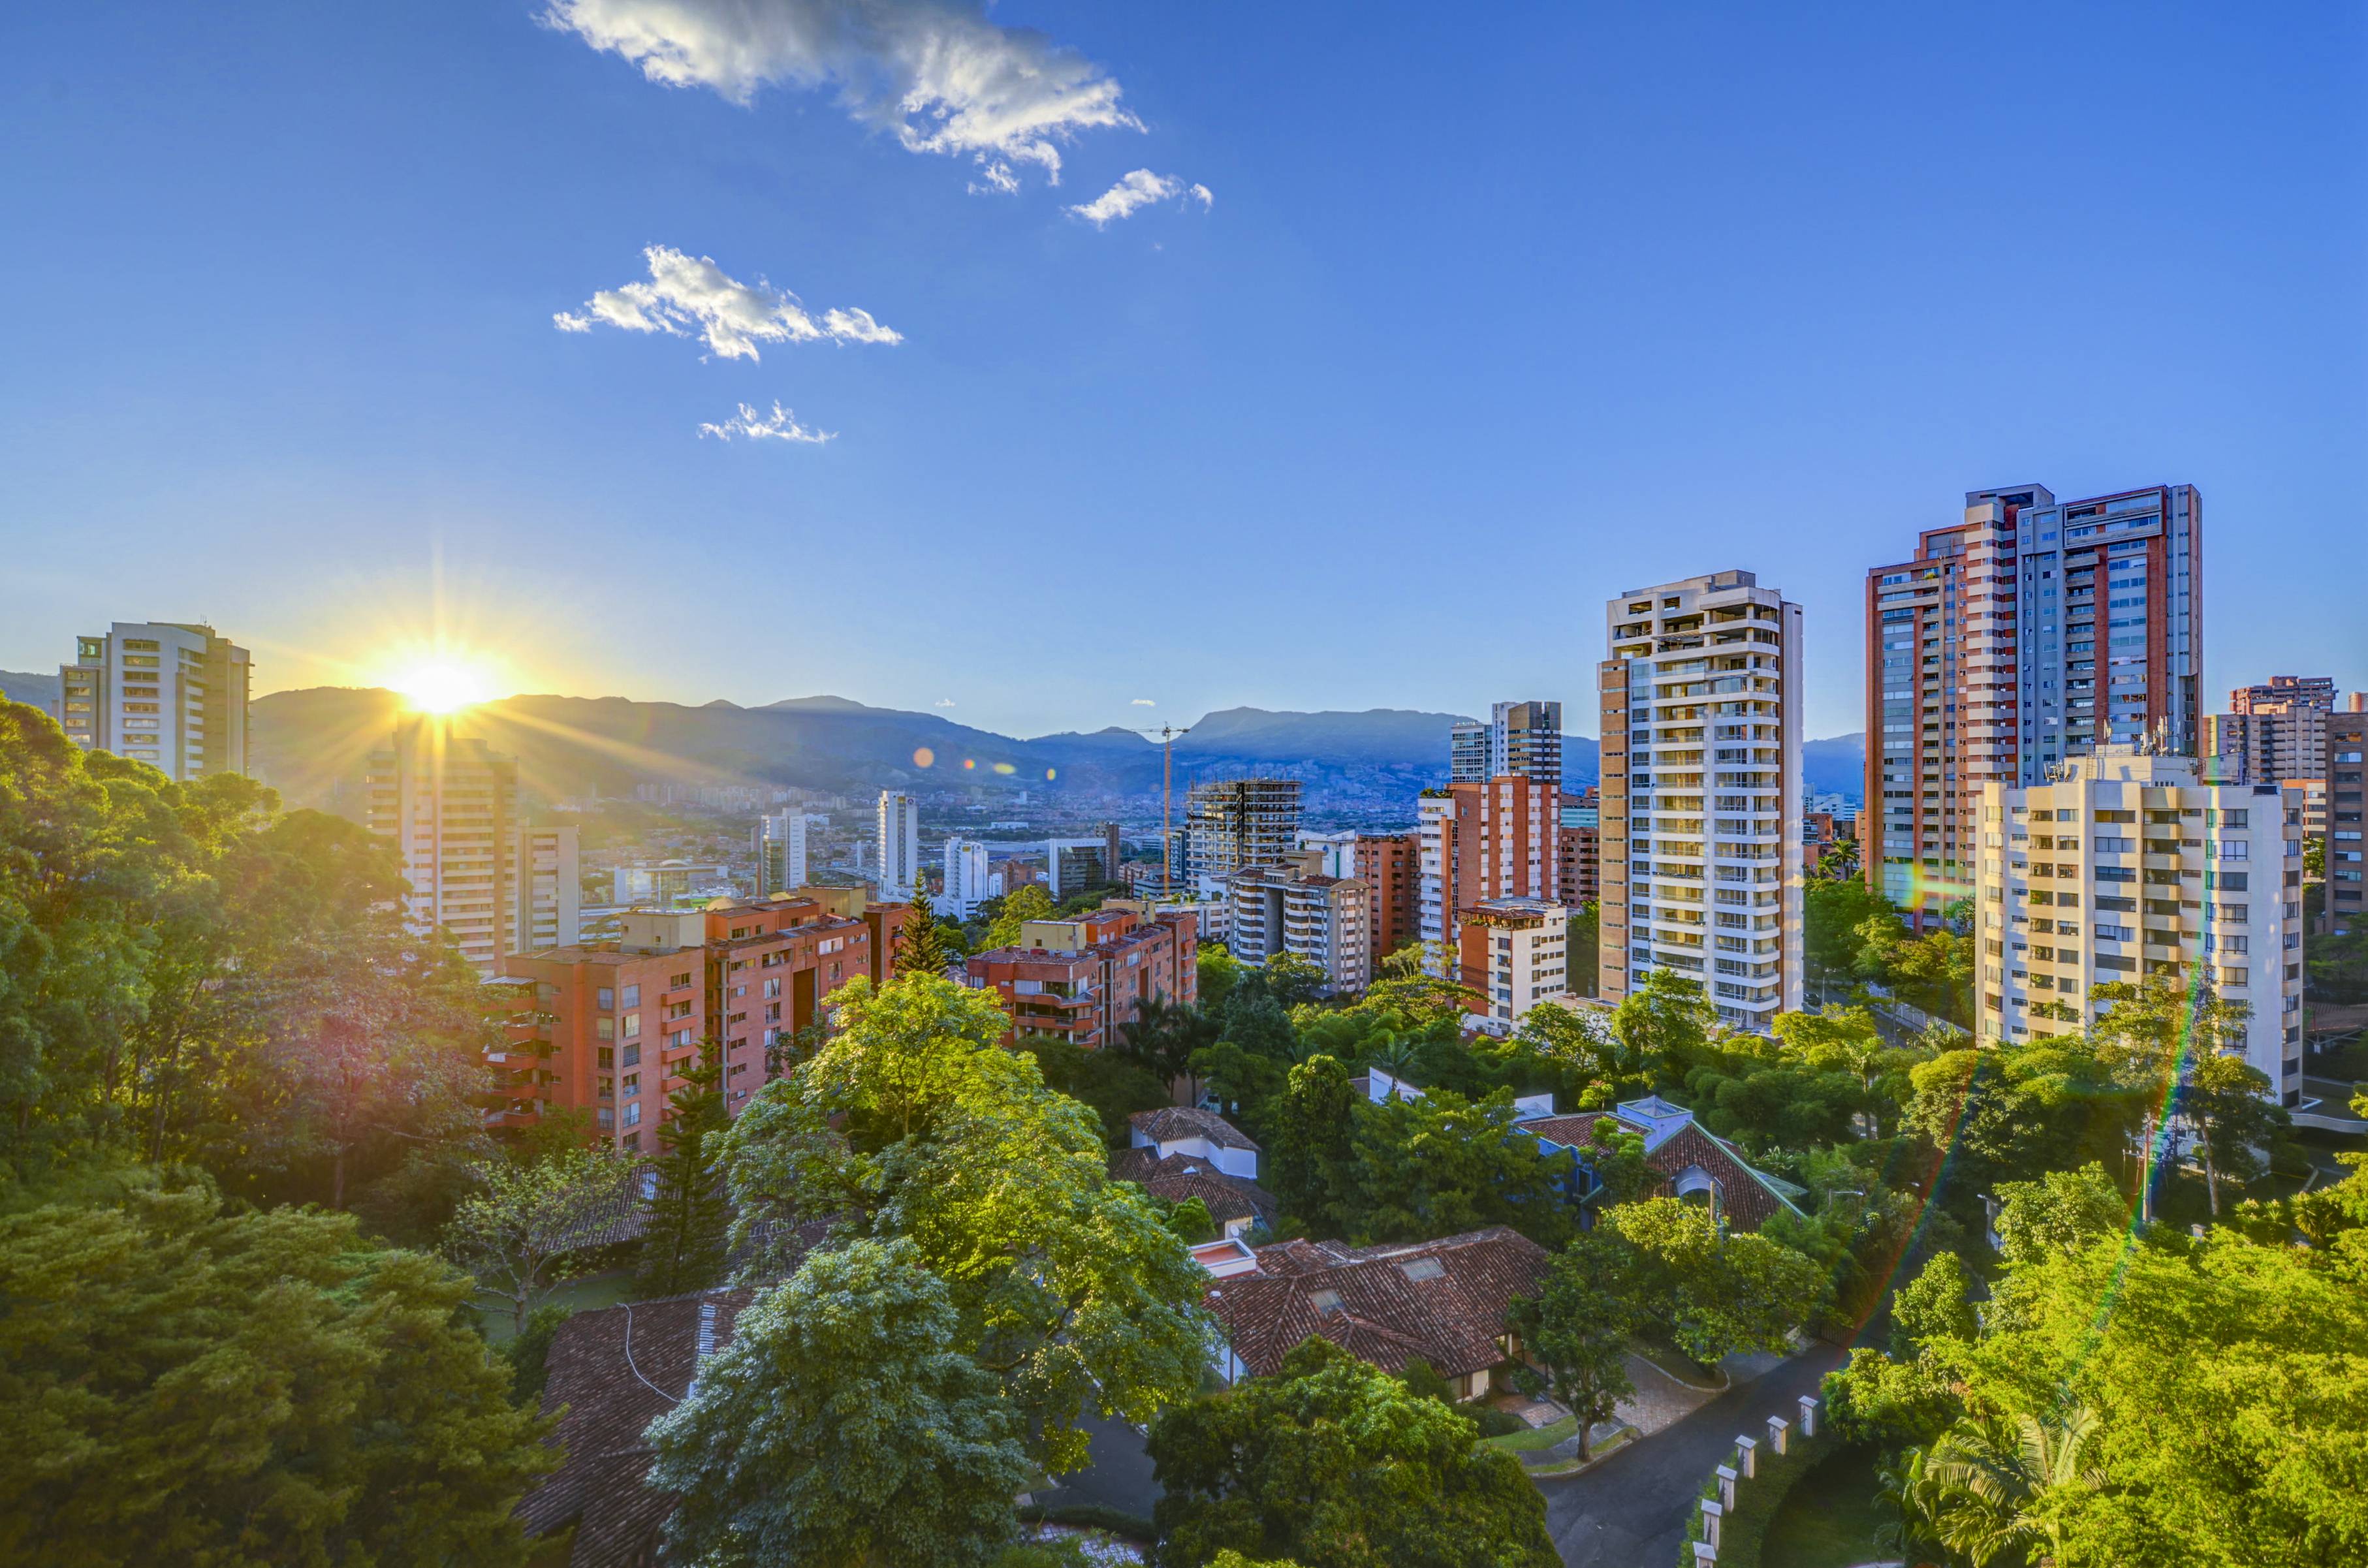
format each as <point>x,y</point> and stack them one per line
<point>1179,1176</point>
<point>1169,1123</point>
<point>1451,1318</point>
<point>1745,1199</point>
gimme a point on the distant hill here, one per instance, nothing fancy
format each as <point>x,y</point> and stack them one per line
<point>1836,766</point>
<point>41,691</point>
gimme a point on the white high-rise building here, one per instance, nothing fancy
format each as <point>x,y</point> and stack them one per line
<point>968,882</point>
<point>2124,864</point>
<point>780,846</point>
<point>1701,793</point>
<point>449,807</point>
<point>165,693</point>
<point>1519,739</point>
<point>900,844</point>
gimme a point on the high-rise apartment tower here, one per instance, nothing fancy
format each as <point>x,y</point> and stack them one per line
<point>1701,819</point>
<point>167,693</point>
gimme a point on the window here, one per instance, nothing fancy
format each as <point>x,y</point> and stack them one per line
<point>679,982</point>
<point>630,1026</point>
<point>634,1114</point>
<point>1325,1302</point>
<point>604,998</point>
<point>1423,1268</point>
<point>632,1085</point>
<point>633,995</point>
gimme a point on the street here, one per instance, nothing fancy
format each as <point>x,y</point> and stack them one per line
<point>1630,1511</point>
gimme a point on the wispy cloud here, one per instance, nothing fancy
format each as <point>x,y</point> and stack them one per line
<point>1144,702</point>
<point>780,426</point>
<point>936,74</point>
<point>690,296</point>
<point>945,702</point>
<point>1139,190</point>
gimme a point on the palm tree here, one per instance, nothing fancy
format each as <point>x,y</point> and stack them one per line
<point>1917,1503</point>
<point>2002,1486</point>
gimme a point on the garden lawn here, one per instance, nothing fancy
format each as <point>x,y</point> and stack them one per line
<point>1828,1521</point>
<point>1536,1437</point>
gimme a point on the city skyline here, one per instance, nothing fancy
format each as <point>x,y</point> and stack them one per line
<point>1677,315</point>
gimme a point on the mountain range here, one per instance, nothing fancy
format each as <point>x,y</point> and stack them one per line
<point>308,744</point>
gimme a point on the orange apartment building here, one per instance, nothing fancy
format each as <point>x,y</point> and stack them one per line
<point>1081,979</point>
<point>609,1029</point>
<point>1390,865</point>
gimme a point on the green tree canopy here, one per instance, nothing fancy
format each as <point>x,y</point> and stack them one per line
<point>188,1384</point>
<point>1715,1294</point>
<point>683,1244</point>
<point>1333,1463</point>
<point>1579,1327</point>
<point>843,1424</point>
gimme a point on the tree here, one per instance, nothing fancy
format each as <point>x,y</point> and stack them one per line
<point>2002,1486</point>
<point>914,1123</point>
<point>1219,972</point>
<point>1190,1221</point>
<point>1162,1035</point>
<point>1715,1294</point>
<point>525,1233</point>
<point>842,1423</point>
<point>1294,981</point>
<point>1334,1463</point>
<point>1309,1167</point>
<point>191,1384</point>
<point>1579,1326</point>
<point>2061,1212</point>
<point>1582,948</point>
<point>921,945</point>
<point>1440,1163</point>
<point>1664,1023</point>
<point>683,1244</point>
<point>2228,1101</point>
<point>1106,1082</point>
<point>1935,1305</point>
<point>2153,1034</point>
<point>1019,906</point>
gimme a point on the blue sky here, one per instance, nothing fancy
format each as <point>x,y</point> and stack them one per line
<point>1493,313</point>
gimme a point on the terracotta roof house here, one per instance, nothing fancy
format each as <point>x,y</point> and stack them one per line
<point>1236,1203</point>
<point>1189,1129</point>
<point>612,1372</point>
<point>1690,1160</point>
<point>1441,1301</point>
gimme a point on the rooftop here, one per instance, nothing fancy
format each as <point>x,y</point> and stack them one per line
<point>1171,1123</point>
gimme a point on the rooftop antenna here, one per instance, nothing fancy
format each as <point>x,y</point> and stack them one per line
<point>1167,733</point>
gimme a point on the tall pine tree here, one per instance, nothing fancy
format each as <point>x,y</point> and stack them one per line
<point>684,1247</point>
<point>920,946</point>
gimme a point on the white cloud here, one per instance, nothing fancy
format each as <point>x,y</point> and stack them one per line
<point>1138,190</point>
<point>691,296</point>
<point>937,74</point>
<point>945,702</point>
<point>780,426</point>
<point>1143,702</point>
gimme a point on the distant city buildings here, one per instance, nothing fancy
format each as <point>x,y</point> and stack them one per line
<point>899,842</point>
<point>167,693</point>
<point>665,881</point>
<point>1701,794</point>
<point>2347,743</point>
<point>780,848</point>
<point>2028,633</point>
<point>2272,734</point>
<point>968,880</point>
<point>1074,866</point>
<point>1293,908</point>
<point>1578,848</point>
<point>2128,865</point>
<point>449,806</point>
<point>1521,738</point>
<point>1233,823</point>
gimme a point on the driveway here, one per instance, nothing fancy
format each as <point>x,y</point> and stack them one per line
<point>1631,1509</point>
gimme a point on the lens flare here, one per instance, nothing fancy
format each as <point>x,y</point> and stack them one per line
<point>441,688</point>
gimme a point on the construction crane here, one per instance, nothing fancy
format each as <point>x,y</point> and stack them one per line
<point>1167,733</point>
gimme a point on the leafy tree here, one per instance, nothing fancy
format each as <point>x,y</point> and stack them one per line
<point>913,1123</point>
<point>1935,1305</point>
<point>525,1233</point>
<point>1579,1326</point>
<point>1310,1157</point>
<point>1665,1022</point>
<point>1335,1464</point>
<point>843,1424</point>
<point>1021,905</point>
<point>1833,938</point>
<point>2154,1032</point>
<point>2061,1212</point>
<point>1163,1035</point>
<point>1241,1080</point>
<point>191,1384</point>
<point>1583,946</point>
<point>1220,971</point>
<point>683,1245</point>
<point>1715,1294</point>
<point>1108,1083</point>
<point>1292,980</point>
<point>1442,1164</point>
<point>2229,1103</point>
<point>1190,1221</point>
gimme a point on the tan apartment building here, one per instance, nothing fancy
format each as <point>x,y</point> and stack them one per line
<point>1293,908</point>
<point>1514,953</point>
<point>171,694</point>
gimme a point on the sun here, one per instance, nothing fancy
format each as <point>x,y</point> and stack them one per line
<point>441,686</point>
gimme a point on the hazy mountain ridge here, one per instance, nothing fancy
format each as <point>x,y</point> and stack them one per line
<point>309,743</point>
